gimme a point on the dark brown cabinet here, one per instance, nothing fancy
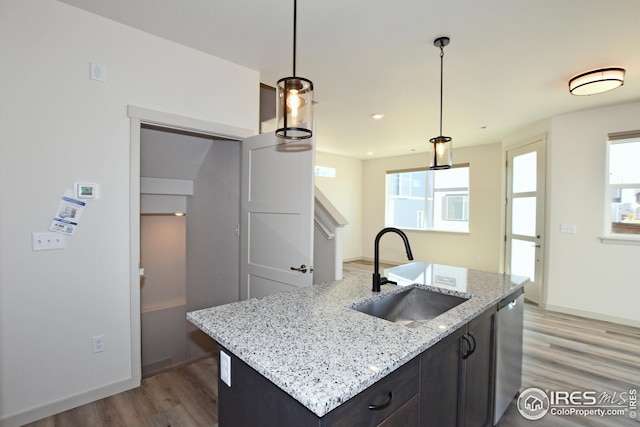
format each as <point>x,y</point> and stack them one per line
<point>449,385</point>
<point>477,373</point>
<point>252,400</point>
<point>391,402</point>
<point>456,385</point>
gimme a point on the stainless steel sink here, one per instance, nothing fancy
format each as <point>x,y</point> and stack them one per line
<point>410,308</point>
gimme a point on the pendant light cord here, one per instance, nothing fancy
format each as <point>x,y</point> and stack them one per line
<point>441,80</point>
<point>295,20</point>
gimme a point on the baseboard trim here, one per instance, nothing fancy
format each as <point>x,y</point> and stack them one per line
<point>592,315</point>
<point>62,405</point>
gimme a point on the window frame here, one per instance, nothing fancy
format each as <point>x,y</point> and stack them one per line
<point>609,236</point>
<point>429,191</point>
<point>465,202</point>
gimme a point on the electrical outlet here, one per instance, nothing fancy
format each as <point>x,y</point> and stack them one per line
<point>47,241</point>
<point>225,368</point>
<point>97,343</point>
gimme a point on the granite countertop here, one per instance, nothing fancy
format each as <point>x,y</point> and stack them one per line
<point>312,345</point>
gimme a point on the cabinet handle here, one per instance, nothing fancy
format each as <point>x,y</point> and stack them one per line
<point>467,352</point>
<point>473,337</point>
<point>471,346</point>
<point>384,405</point>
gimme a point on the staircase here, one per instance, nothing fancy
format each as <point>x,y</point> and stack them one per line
<point>327,240</point>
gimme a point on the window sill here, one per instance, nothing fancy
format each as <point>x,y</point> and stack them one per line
<point>431,230</point>
<point>621,240</point>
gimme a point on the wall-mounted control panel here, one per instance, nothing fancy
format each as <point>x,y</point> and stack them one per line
<point>85,190</point>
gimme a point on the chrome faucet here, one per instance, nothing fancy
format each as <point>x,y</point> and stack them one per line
<point>377,280</point>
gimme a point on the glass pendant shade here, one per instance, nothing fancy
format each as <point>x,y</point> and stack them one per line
<point>441,153</point>
<point>294,112</point>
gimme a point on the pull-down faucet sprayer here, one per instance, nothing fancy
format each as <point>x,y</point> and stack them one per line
<point>377,280</point>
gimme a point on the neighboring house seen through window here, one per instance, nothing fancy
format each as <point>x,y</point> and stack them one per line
<point>428,200</point>
<point>624,183</point>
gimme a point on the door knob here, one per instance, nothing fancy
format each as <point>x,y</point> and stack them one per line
<point>301,269</point>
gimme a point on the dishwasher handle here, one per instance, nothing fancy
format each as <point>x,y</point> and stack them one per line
<point>510,301</point>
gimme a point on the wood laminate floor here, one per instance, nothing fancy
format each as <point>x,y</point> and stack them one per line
<point>561,353</point>
<point>184,396</point>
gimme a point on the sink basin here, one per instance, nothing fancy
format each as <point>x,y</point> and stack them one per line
<point>410,308</point>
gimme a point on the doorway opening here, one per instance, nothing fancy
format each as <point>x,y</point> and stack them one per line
<point>205,273</point>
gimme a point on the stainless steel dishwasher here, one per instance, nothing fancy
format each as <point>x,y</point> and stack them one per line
<point>509,324</point>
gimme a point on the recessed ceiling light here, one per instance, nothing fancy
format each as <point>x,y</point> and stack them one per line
<point>377,116</point>
<point>369,153</point>
<point>483,127</point>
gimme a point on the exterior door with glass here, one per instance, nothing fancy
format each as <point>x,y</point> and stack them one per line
<point>524,250</point>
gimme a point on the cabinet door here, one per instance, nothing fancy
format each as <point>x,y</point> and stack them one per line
<point>253,400</point>
<point>477,399</point>
<point>407,416</point>
<point>392,396</point>
<point>440,381</point>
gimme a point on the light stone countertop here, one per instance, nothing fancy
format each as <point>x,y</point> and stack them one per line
<point>312,345</point>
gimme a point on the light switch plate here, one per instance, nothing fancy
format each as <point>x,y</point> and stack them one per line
<point>568,228</point>
<point>97,72</point>
<point>225,368</point>
<point>47,241</point>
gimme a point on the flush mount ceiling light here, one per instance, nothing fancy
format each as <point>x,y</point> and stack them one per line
<point>596,81</point>
<point>294,100</point>
<point>441,156</point>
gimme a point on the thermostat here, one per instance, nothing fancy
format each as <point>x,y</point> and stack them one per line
<point>85,190</point>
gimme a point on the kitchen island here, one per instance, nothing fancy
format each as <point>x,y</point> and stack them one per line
<point>312,346</point>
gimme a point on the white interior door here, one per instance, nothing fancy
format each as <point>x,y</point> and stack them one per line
<point>524,250</point>
<point>276,215</point>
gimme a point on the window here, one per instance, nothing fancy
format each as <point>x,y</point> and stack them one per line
<point>428,200</point>
<point>456,208</point>
<point>624,183</point>
<point>325,171</point>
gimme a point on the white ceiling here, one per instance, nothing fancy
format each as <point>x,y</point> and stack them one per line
<point>507,65</point>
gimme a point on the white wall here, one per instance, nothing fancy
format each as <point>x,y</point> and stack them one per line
<point>163,290</point>
<point>345,193</point>
<point>213,248</point>
<point>478,249</point>
<point>57,127</point>
<point>163,241</point>
<point>586,276</point>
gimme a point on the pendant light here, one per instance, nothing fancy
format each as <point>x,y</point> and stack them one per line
<point>441,156</point>
<point>294,100</point>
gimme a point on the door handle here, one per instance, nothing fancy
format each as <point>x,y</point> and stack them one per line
<point>301,269</point>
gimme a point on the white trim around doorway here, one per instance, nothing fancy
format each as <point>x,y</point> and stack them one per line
<point>139,116</point>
